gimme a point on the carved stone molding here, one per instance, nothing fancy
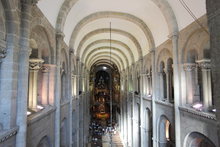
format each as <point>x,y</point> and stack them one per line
<point>165,103</point>
<point>5,135</point>
<point>189,66</point>
<point>45,68</point>
<point>204,64</point>
<point>198,113</point>
<point>35,64</point>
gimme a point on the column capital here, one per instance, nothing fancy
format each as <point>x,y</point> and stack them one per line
<point>60,35</point>
<point>45,68</point>
<point>2,50</point>
<point>35,64</point>
<point>173,35</point>
<point>33,2</point>
<point>71,50</point>
<point>189,66</point>
<point>204,63</point>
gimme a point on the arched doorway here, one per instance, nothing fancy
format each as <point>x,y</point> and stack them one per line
<point>196,139</point>
<point>63,133</point>
<point>166,135</point>
<point>44,142</point>
<point>137,123</point>
<point>147,128</point>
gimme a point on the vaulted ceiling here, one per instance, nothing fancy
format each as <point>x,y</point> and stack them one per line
<point>138,26</point>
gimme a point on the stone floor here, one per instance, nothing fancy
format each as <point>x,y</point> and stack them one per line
<point>116,141</point>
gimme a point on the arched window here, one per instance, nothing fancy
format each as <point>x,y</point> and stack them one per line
<point>166,137</point>
<point>163,81</point>
<point>196,139</point>
<point>193,84</point>
<point>170,88</point>
<point>63,82</point>
<point>44,142</point>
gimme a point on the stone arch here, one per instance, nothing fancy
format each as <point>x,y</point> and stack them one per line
<point>105,47</point>
<point>63,133</point>
<point>163,5</point>
<point>40,35</point>
<point>165,136</point>
<point>113,42</point>
<point>196,40</point>
<point>104,62</point>
<point>103,14</point>
<point>8,27</point>
<point>44,142</point>
<point>163,55</point>
<point>196,139</point>
<point>107,58</point>
<point>106,53</point>
<point>42,22</point>
<point>11,14</point>
<point>168,14</point>
<point>107,30</point>
<point>63,12</point>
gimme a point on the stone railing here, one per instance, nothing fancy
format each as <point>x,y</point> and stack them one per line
<point>6,134</point>
<point>165,103</point>
<point>198,113</point>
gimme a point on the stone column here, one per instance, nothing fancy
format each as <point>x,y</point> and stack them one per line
<point>149,78</point>
<point>34,67</point>
<point>21,120</point>
<point>169,84</point>
<point>189,68</point>
<point>133,107</point>
<point>162,97</point>
<point>142,128</point>
<point>213,9</point>
<point>155,89</point>
<point>206,82</point>
<point>70,97</point>
<point>59,40</point>
<point>45,84</point>
<point>177,89</point>
<point>147,87</point>
<point>78,102</point>
<point>51,88</point>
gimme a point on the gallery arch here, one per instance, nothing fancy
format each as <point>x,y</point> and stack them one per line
<point>196,139</point>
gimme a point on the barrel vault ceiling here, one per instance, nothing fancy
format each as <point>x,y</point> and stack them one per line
<point>137,26</point>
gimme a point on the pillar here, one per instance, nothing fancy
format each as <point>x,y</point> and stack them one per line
<point>142,125</point>
<point>189,68</point>
<point>206,82</point>
<point>45,84</point>
<point>21,120</point>
<point>213,8</point>
<point>59,40</point>
<point>155,89</point>
<point>169,84</point>
<point>162,96</point>
<point>51,86</point>
<point>149,81</point>
<point>177,89</point>
<point>34,67</point>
